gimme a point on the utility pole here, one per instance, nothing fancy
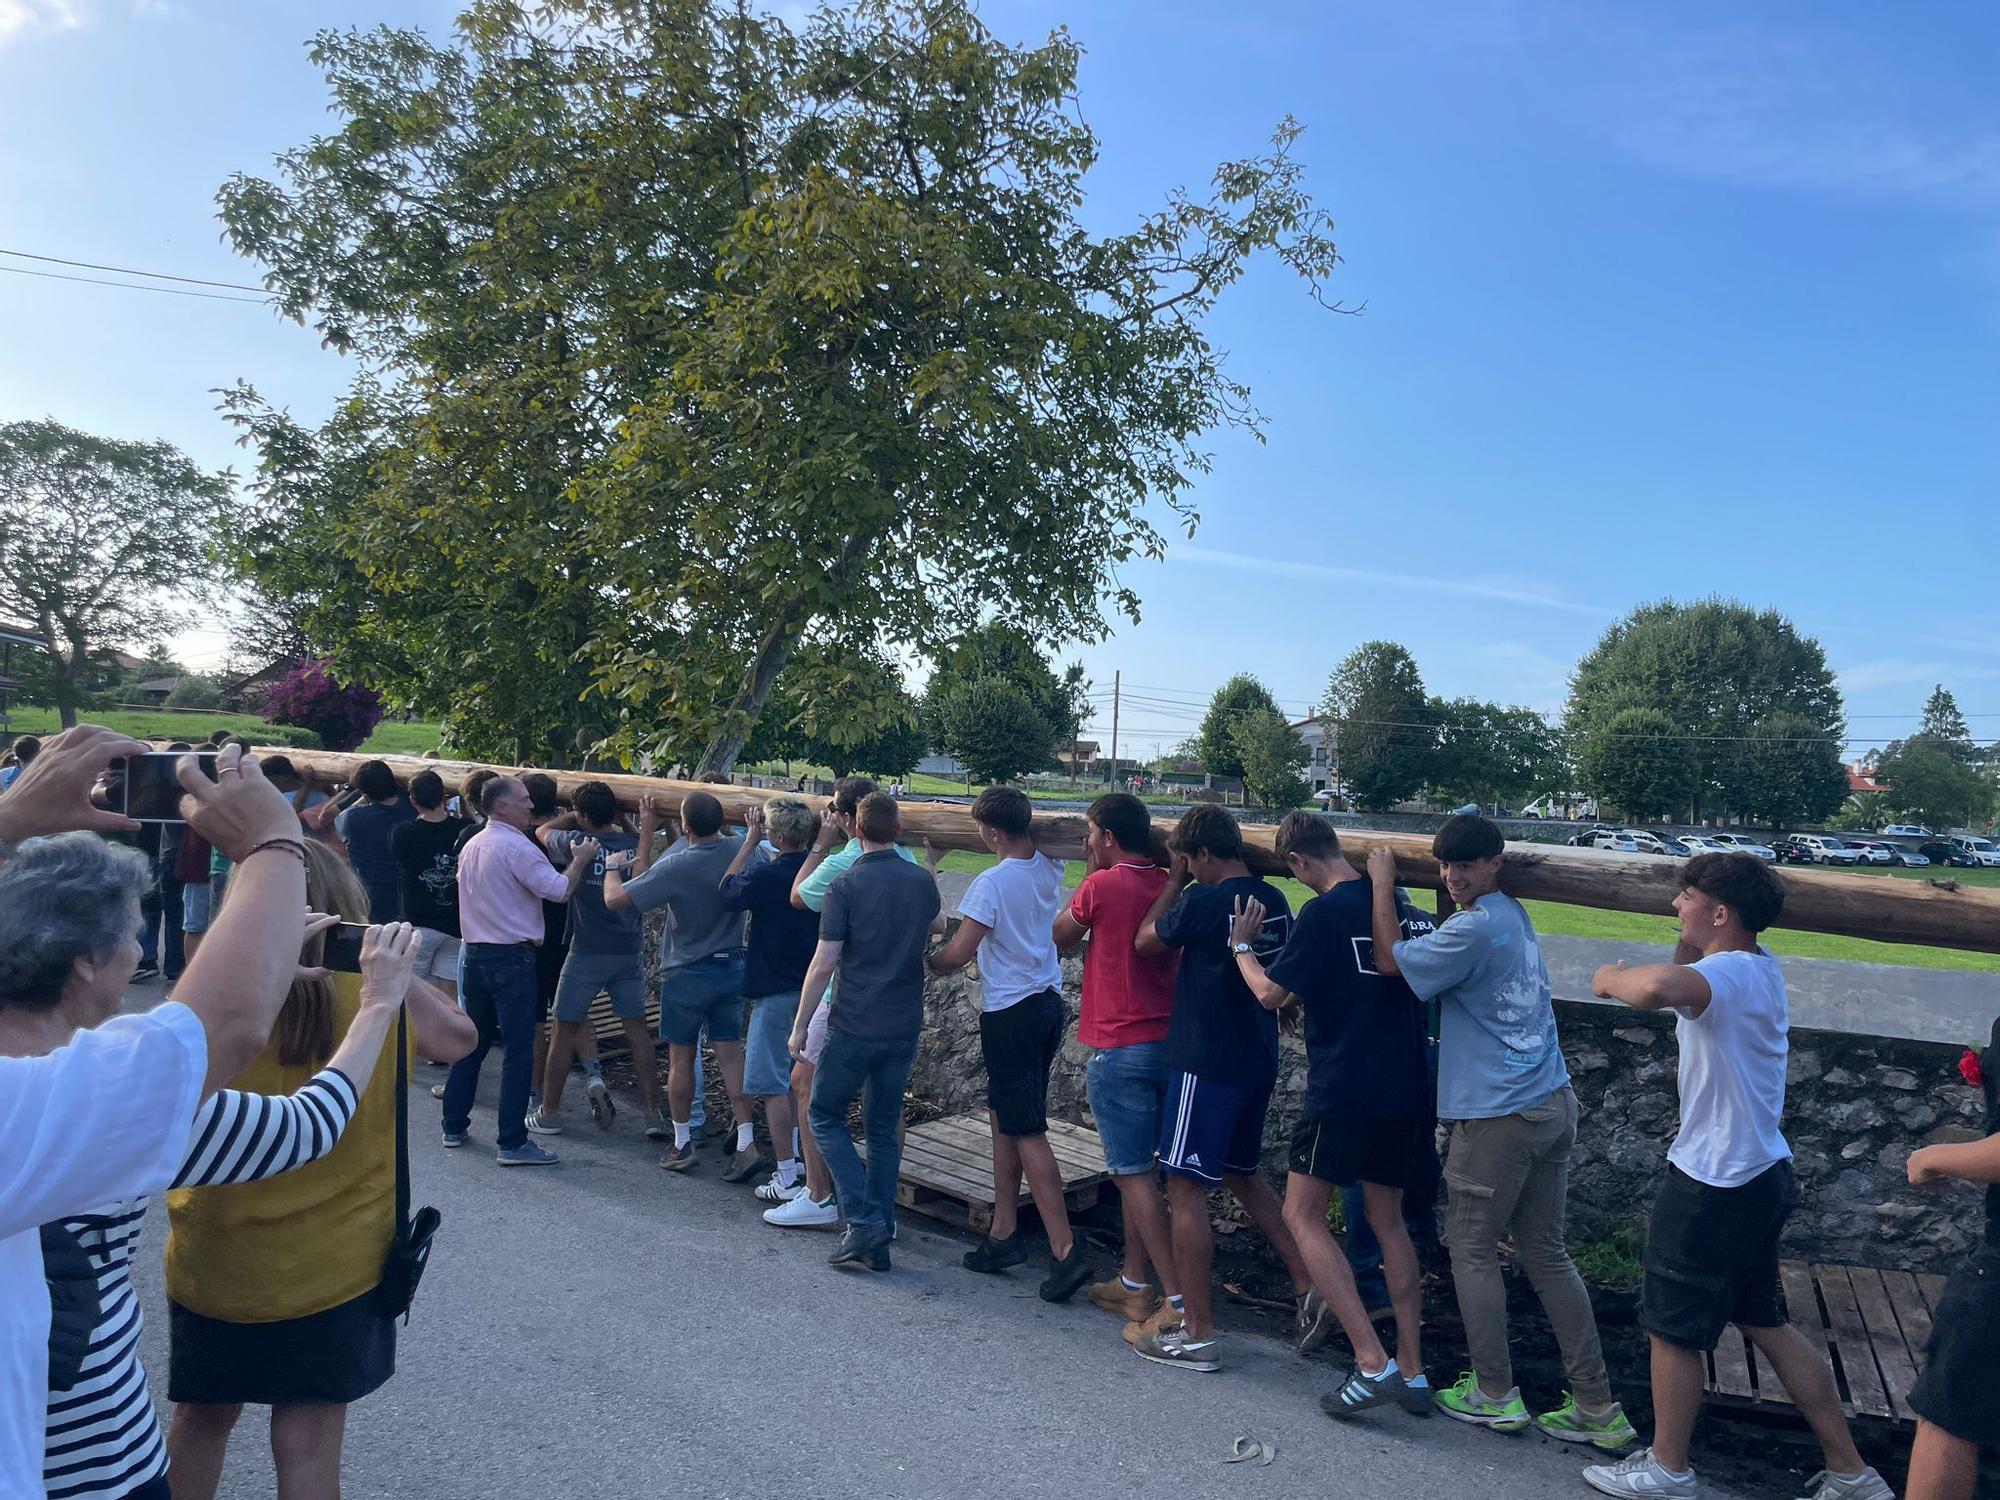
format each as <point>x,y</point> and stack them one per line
<point>1115,676</point>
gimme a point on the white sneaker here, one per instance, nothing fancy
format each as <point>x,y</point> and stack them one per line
<point>1867,1485</point>
<point>775,1191</point>
<point>1640,1477</point>
<point>538,1124</point>
<point>803,1213</point>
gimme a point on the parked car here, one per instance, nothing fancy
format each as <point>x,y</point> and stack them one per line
<point>1817,849</point>
<point>1671,844</point>
<point>1619,843</point>
<point>1945,852</point>
<point>1701,843</point>
<point>1743,844</point>
<point>1588,838</point>
<point>1907,857</point>
<point>1983,852</point>
<point>1873,851</point>
<point>1909,831</point>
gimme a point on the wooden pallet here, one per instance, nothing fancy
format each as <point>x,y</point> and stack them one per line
<point>948,1169</point>
<point>1872,1324</point>
<point>611,1031</point>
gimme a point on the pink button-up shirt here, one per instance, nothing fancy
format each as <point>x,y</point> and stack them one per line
<point>503,879</point>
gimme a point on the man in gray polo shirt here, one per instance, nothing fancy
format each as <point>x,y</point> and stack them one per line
<point>701,965</point>
<point>878,918</point>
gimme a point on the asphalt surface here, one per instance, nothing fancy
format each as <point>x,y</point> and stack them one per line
<point>604,1329</point>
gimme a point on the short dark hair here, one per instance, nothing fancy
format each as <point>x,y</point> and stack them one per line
<point>1308,835</point>
<point>702,813</point>
<point>491,790</point>
<point>26,748</point>
<point>1207,829</point>
<point>879,818</point>
<point>219,738</point>
<point>1467,836</point>
<point>376,780</point>
<point>1741,882</point>
<point>1125,818</point>
<point>472,790</point>
<point>595,803</point>
<point>542,792</point>
<point>427,790</point>
<point>848,792</point>
<point>276,766</point>
<point>1005,808</point>
<point>180,745</point>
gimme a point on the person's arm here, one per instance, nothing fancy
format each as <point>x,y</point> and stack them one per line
<point>562,822</point>
<point>1147,941</point>
<point>649,825</point>
<point>1965,1161</point>
<point>52,794</point>
<point>1385,919</point>
<point>641,892</point>
<point>959,951</point>
<point>1675,986</point>
<point>819,974</point>
<point>531,867</point>
<point>1247,921</point>
<point>442,1031</point>
<point>1067,932</point>
<point>805,885</point>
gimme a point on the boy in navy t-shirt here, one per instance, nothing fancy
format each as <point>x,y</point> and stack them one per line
<point>1222,1059</point>
<point>1368,1110</point>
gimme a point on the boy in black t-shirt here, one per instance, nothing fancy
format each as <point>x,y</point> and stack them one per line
<point>425,849</point>
<point>1222,1055</point>
<point>1367,1114</point>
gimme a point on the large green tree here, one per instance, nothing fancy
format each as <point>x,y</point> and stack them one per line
<point>103,543</point>
<point>991,726</point>
<point>998,649</point>
<point>1716,669</point>
<point>1930,783</point>
<point>1790,772</point>
<point>1944,726</point>
<point>1240,698</point>
<point>1489,752</point>
<point>1273,754</point>
<point>1387,740</point>
<point>1640,763</point>
<point>690,338</point>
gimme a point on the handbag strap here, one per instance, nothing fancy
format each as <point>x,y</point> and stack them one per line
<point>402,1123</point>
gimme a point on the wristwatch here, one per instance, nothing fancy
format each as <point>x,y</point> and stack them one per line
<point>1239,948</point>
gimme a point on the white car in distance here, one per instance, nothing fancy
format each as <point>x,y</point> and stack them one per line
<point>1737,843</point>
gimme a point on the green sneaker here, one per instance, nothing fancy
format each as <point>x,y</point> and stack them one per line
<point>1569,1423</point>
<point>1464,1402</point>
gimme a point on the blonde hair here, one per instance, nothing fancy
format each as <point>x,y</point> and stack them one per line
<point>304,1032</point>
<point>791,822</point>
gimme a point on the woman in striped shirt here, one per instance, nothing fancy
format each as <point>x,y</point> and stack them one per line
<point>103,1436</point>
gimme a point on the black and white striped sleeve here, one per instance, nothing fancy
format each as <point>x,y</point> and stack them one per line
<point>240,1137</point>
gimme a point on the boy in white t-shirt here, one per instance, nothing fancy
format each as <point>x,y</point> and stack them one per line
<point>1007,915</point>
<point>1712,1247</point>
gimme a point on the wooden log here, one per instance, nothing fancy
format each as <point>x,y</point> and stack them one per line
<point>1940,913</point>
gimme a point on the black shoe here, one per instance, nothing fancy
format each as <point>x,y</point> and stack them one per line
<point>680,1158</point>
<point>145,972</point>
<point>1067,1274</point>
<point>993,1256</point>
<point>860,1247</point>
<point>746,1165</point>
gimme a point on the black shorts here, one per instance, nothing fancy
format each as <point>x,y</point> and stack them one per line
<point>339,1355</point>
<point>1712,1256</point>
<point>1390,1153</point>
<point>1020,1045</point>
<point>1955,1390</point>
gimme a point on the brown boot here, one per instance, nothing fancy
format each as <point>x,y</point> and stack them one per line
<point>1165,1318</point>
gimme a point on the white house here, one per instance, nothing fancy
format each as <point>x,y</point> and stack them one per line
<point>1323,739</point>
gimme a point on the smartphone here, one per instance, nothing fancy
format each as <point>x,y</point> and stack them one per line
<point>343,948</point>
<point>153,787</point>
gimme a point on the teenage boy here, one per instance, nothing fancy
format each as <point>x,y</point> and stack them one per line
<point>1504,1087</point>
<point>365,829</point>
<point>833,854</point>
<point>1007,918</point>
<point>1953,1398</point>
<point>603,957</point>
<point>1222,1052</point>
<point>426,853</point>
<point>1367,1114</point>
<point>1712,1249</point>
<point>1127,998</point>
<point>878,917</point>
<point>701,966</point>
<point>776,955</point>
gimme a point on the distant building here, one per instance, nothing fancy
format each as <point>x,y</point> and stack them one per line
<point>1081,757</point>
<point>937,763</point>
<point>154,693</point>
<point>1863,780</point>
<point>1323,739</point>
<point>14,638</point>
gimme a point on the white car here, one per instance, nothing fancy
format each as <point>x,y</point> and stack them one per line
<point>1909,830</point>
<point>1824,849</point>
<point>1701,843</point>
<point>1873,851</point>
<point>1737,843</point>
<point>1647,843</point>
<point>1618,843</point>
<point>1985,851</point>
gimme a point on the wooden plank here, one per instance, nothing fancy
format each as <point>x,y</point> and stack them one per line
<point>1932,1287</point>
<point>1885,1337</point>
<point>946,1180</point>
<point>1732,1366</point>
<point>1940,911</point>
<point>947,1140</point>
<point>1866,1392</point>
<point>1906,1299</point>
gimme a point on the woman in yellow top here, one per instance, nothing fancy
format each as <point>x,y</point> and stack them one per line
<point>270,1285</point>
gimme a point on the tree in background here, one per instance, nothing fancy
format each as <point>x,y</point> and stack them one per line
<point>1487,752</point>
<point>309,696</point>
<point>1640,763</point>
<point>1790,772</point>
<point>990,726</point>
<point>1240,698</point>
<point>998,649</point>
<point>1272,755</point>
<point>1388,740</point>
<point>1944,726</point>
<point>805,339</point>
<point>195,691</point>
<point>102,543</point>
<point>1929,783</point>
<point>1865,811</point>
<point>1716,669</point>
<point>872,724</point>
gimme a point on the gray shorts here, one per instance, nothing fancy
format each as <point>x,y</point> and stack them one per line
<point>587,975</point>
<point>437,955</point>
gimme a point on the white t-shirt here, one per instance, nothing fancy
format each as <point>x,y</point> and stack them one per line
<point>106,1117</point>
<point>1017,898</point>
<point>1733,1072</point>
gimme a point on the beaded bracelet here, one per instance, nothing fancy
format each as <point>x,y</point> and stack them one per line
<point>294,845</point>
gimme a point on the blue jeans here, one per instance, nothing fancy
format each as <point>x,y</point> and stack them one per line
<point>499,995</point>
<point>881,1071</point>
<point>173,941</point>
<point>1127,1086</point>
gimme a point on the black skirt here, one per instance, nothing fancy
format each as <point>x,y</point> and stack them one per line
<point>339,1355</point>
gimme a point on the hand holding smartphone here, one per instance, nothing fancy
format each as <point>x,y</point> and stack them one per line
<point>152,788</point>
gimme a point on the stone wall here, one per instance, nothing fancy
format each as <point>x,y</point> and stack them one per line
<point>1856,1107</point>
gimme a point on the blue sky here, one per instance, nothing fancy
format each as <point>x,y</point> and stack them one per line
<point>1661,300</point>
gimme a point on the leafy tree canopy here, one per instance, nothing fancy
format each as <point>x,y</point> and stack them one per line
<point>1638,761</point>
<point>1232,703</point>
<point>1930,784</point>
<point>1273,754</point>
<point>997,649</point>
<point>991,726</point>
<point>1387,739</point>
<point>1488,752</point>
<point>1790,773</point>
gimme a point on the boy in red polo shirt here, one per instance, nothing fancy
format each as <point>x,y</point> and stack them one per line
<point>1126,1001</point>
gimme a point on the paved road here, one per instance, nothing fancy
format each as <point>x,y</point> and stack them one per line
<point>601,1329</point>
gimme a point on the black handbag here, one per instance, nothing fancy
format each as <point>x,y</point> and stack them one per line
<point>74,1304</point>
<point>410,1251</point>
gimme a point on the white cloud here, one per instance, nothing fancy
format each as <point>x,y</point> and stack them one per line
<point>18,17</point>
<point>1499,593</point>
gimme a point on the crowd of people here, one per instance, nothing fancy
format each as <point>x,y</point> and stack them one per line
<point>796,953</point>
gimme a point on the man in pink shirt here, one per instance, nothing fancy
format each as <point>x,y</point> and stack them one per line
<point>503,879</point>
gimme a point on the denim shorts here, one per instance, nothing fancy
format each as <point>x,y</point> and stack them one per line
<point>585,976</point>
<point>767,1051</point>
<point>1127,1087</point>
<point>195,906</point>
<point>707,992</point>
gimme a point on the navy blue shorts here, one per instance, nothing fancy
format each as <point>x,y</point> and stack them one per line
<point>1210,1130</point>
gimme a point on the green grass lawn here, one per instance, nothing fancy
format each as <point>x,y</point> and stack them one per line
<point>389,738</point>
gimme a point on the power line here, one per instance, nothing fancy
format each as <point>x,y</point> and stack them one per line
<point>133,286</point>
<point>89,265</point>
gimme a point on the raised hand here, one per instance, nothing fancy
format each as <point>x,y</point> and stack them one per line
<point>52,794</point>
<point>1247,920</point>
<point>239,809</point>
<point>388,959</point>
<point>1382,864</point>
